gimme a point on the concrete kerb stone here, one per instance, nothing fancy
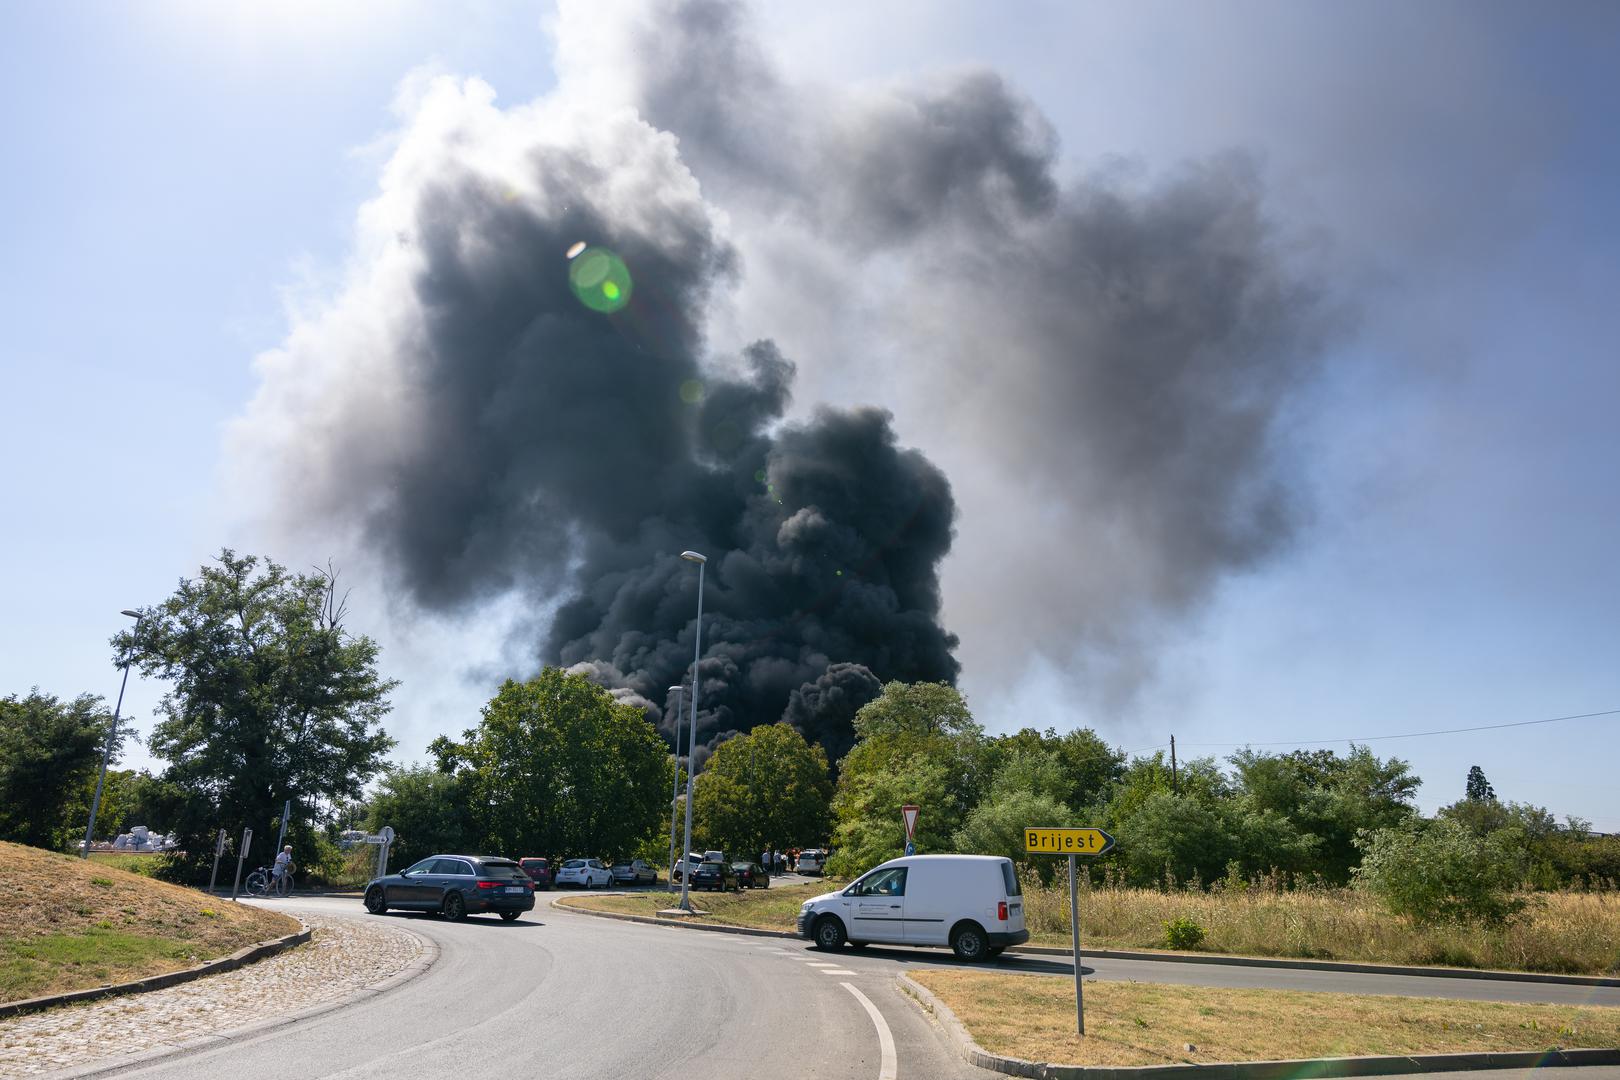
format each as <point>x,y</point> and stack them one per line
<point>1179,958</point>
<point>713,928</point>
<point>239,958</point>
<point>1489,974</point>
<point>974,1054</point>
<point>430,955</point>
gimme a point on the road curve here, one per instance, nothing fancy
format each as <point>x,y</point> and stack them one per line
<point>563,994</point>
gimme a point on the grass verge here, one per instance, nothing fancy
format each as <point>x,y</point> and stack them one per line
<point>1032,1017</point>
<point>72,924</point>
<point>775,908</point>
<point>1561,932</point>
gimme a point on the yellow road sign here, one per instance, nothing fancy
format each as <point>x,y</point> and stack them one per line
<point>1048,841</point>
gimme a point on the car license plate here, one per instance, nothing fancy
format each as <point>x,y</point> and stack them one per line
<point>514,888</point>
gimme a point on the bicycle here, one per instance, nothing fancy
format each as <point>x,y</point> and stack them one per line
<point>261,883</point>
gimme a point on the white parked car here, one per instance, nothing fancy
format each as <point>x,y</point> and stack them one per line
<point>970,902</point>
<point>586,873</point>
<point>812,861</point>
<point>693,860</point>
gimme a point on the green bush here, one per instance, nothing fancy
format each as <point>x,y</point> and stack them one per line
<point>1183,933</point>
<point>1442,873</point>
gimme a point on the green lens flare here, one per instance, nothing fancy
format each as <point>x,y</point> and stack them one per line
<point>691,391</point>
<point>600,279</point>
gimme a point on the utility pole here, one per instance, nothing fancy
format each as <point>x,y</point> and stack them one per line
<point>1175,777</point>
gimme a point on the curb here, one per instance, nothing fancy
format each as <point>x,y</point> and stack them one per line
<point>1224,959</point>
<point>1219,959</point>
<point>239,958</point>
<point>430,956</point>
<point>974,1054</point>
<point>713,928</point>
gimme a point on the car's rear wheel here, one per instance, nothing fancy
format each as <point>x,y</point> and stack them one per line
<point>455,908</point>
<point>968,943</point>
<point>510,916</point>
<point>828,933</point>
<point>376,903</point>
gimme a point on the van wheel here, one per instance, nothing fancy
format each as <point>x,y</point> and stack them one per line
<point>829,933</point>
<point>968,943</point>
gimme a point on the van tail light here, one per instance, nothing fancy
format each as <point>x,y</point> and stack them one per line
<point>1001,910</point>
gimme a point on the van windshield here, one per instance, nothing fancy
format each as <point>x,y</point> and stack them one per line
<point>1009,878</point>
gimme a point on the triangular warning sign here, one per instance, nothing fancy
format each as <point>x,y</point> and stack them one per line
<point>909,815</point>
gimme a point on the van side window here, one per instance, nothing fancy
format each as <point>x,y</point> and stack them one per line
<point>883,883</point>
<point>1009,878</point>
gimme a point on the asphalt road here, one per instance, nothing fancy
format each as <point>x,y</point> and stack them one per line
<point>563,994</point>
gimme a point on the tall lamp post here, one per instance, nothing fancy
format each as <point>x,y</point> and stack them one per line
<point>106,752</point>
<point>675,790</point>
<point>691,735</point>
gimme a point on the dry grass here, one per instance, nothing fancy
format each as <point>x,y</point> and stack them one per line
<point>1032,1017</point>
<point>775,908</point>
<point>1569,932</point>
<point>71,924</point>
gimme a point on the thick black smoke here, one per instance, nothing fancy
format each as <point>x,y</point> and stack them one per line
<point>549,447</point>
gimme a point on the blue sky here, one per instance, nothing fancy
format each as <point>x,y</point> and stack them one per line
<point>184,179</point>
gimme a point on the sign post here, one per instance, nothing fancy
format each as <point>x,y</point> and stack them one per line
<point>387,838</point>
<point>219,849</point>
<point>247,838</point>
<point>1073,843</point>
<point>908,814</point>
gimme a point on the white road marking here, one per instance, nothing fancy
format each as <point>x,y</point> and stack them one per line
<point>887,1067</point>
<point>838,971</point>
<point>819,963</point>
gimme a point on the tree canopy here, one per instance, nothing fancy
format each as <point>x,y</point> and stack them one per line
<point>557,767</point>
<point>271,698</point>
<point>766,788</point>
<point>50,750</point>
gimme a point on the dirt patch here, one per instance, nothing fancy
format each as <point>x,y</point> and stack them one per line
<point>71,924</point>
<point>1032,1017</point>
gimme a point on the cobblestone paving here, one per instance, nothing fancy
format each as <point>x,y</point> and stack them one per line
<point>344,956</point>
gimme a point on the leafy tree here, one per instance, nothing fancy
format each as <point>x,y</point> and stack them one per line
<point>996,826</point>
<point>1478,789</point>
<point>557,767</point>
<point>428,811</point>
<point>1088,764</point>
<point>49,750</point>
<point>271,698</point>
<point>768,787</point>
<point>1166,837</point>
<point>916,743</point>
<point>1441,872</point>
<point>126,801</point>
<point>1328,798</point>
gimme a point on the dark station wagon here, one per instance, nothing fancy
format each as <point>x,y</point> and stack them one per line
<point>456,886</point>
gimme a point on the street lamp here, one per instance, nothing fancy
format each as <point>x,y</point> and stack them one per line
<point>106,752</point>
<point>675,787</point>
<point>691,735</point>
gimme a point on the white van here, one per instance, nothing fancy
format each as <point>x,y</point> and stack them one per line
<point>970,902</point>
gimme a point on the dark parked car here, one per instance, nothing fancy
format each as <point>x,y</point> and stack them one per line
<point>539,871</point>
<point>718,876</point>
<point>751,875</point>
<point>457,886</point>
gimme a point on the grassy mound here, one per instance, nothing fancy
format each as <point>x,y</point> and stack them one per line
<point>67,924</point>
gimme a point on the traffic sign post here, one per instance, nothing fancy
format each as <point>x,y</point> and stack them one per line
<point>247,838</point>
<point>219,849</point>
<point>1073,843</point>
<point>908,816</point>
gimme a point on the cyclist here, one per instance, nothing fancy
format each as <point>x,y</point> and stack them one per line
<point>282,869</point>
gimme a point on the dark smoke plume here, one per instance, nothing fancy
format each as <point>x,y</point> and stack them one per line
<point>547,446</point>
<point>1102,366</point>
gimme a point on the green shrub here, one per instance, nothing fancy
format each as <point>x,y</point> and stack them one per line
<point>1183,933</point>
<point>1442,873</point>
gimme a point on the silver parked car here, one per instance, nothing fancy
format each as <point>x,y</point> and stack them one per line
<point>634,872</point>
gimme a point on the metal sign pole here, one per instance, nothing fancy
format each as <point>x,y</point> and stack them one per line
<point>219,849</point>
<point>1074,931</point>
<point>247,838</point>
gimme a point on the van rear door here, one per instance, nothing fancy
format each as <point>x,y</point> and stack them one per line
<point>1015,900</point>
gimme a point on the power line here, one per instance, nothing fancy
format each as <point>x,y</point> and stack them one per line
<point>1406,735</point>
